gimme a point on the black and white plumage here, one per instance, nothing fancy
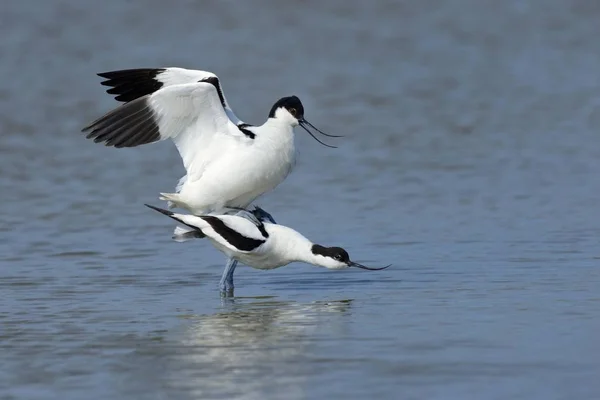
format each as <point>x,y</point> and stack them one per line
<point>262,245</point>
<point>130,84</point>
<point>228,163</point>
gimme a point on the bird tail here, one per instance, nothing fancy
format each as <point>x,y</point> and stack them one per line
<point>180,184</point>
<point>172,199</point>
<point>181,233</point>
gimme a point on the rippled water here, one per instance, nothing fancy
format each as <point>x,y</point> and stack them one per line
<point>471,162</point>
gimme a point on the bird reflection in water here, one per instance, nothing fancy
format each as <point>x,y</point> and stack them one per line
<point>253,351</point>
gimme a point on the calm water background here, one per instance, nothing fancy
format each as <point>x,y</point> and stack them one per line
<point>471,162</point>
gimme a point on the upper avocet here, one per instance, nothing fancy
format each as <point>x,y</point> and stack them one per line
<point>228,163</point>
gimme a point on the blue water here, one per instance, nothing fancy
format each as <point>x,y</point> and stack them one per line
<point>470,162</point>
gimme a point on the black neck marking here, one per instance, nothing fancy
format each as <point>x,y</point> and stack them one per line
<point>247,132</point>
<point>232,236</point>
<point>213,80</point>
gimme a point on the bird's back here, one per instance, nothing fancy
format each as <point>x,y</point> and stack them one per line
<point>283,246</point>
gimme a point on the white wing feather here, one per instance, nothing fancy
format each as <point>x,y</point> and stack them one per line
<point>239,224</point>
<point>242,225</point>
<point>192,116</point>
<point>179,76</point>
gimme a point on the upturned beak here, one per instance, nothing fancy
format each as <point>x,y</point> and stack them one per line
<point>357,265</point>
<point>305,125</point>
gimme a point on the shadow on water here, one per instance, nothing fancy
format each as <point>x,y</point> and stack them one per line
<point>249,349</point>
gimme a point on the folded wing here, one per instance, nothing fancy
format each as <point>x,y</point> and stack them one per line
<point>235,233</point>
<point>238,234</point>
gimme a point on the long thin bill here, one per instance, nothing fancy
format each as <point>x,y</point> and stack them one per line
<point>318,130</point>
<point>314,137</point>
<point>357,265</point>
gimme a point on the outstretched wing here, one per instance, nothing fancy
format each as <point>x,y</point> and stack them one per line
<point>130,84</point>
<point>189,114</point>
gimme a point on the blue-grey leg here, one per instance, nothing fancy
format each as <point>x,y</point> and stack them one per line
<point>226,283</point>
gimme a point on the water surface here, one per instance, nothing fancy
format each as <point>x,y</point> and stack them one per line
<point>471,162</point>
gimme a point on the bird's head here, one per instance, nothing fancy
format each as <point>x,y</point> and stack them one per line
<point>336,258</point>
<point>291,111</point>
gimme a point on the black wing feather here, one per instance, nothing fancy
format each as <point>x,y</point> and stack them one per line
<point>232,236</point>
<point>130,125</point>
<point>131,84</point>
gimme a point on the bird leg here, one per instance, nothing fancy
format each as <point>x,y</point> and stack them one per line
<point>226,283</point>
<point>258,214</point>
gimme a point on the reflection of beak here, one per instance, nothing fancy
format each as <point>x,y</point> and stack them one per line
<point>305,125</point>
<point>357,265</point>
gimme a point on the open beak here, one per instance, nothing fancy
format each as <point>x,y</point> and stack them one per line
<point>357,265</point>
<point>305,125</point>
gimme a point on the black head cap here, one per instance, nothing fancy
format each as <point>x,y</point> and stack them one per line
<point>292,104</point>
<point>337,253</point>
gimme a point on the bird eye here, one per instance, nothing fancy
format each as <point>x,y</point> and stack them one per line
<point>293,111</point>
<point>338,257</point>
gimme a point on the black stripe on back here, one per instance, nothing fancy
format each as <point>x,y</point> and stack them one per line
<point>129,125</point>
<point>131,84</point>
<point>247,132</point>
<point>262,230</point>
<point>232,236</point>
<point>213,80</point>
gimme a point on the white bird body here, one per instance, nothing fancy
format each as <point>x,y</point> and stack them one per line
<point>233,171</point>
<point>274,247</point>
<point>228,163</point>
<point>283,246</point>
<point>262,245</point>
